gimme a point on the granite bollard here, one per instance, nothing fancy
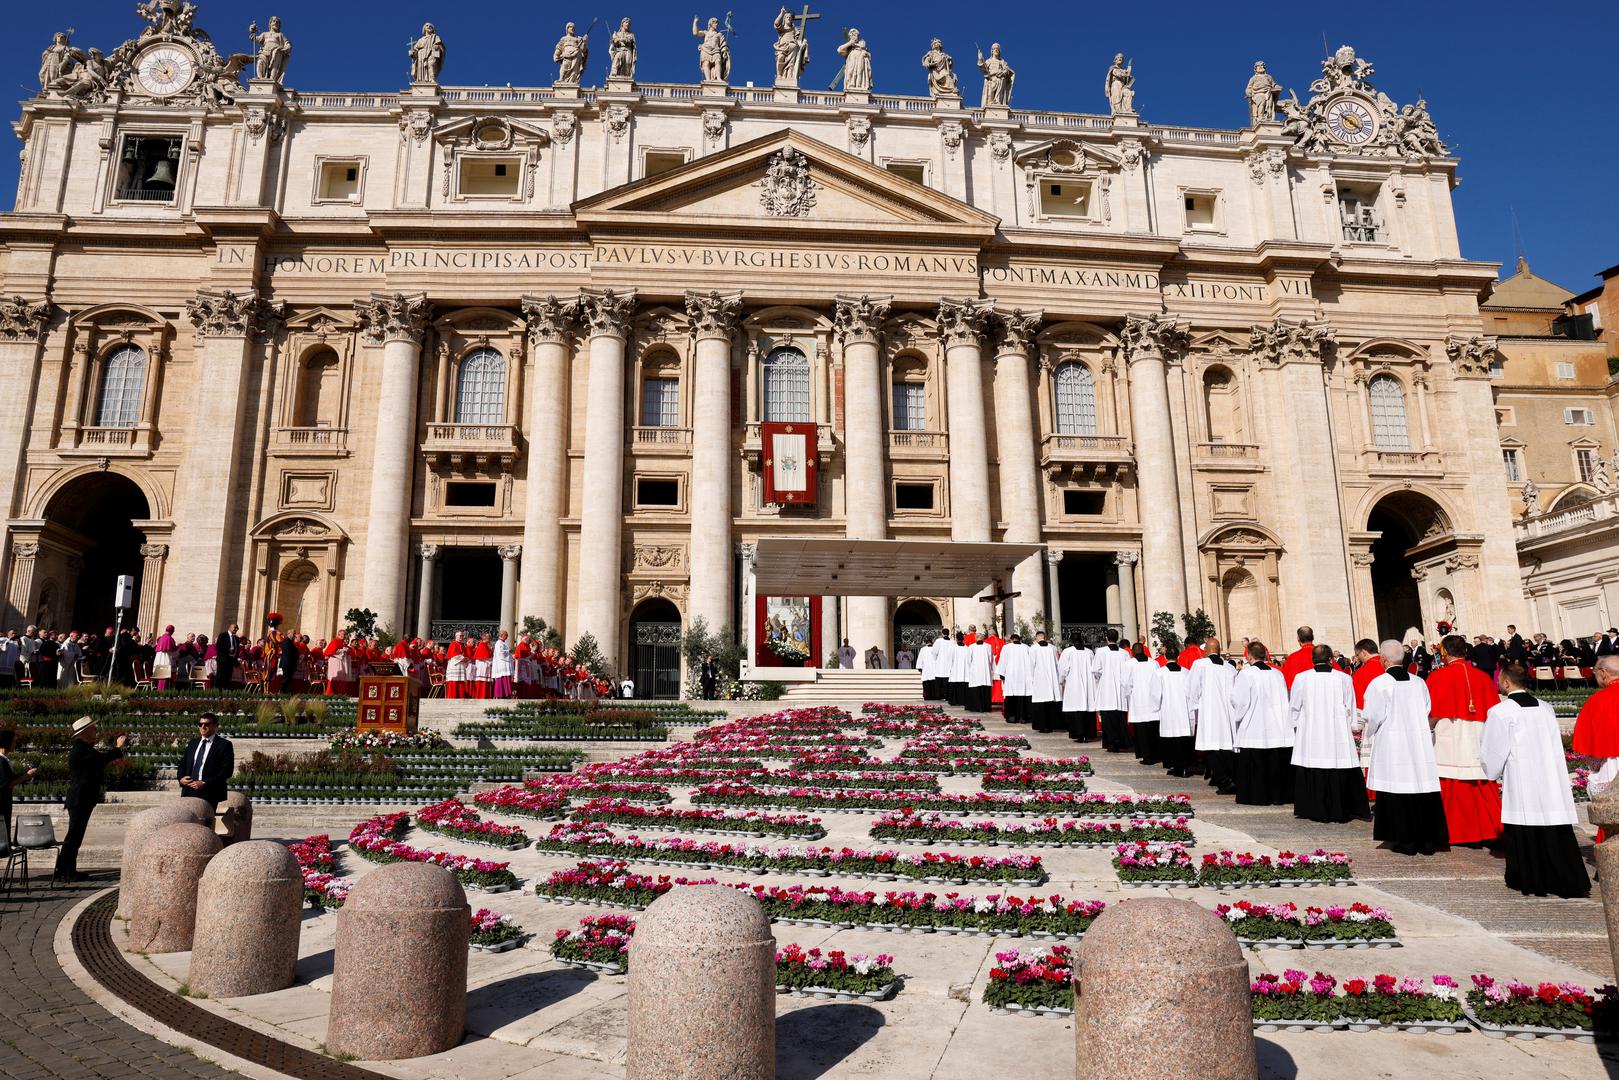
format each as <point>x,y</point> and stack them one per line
<point>1604,814</point>
<point>139,830</point>
<point>236,817</point>
<point>163,902</point>
<point>399,981</point>
<point>249,907</point>
<point>702,995</point>
<point>1161,993</point>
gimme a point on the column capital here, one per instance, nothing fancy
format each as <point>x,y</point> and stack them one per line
<point>606,313</point>
<point>963,322</point>
<point>1472,356</point>
<point>225,314</point>
<point>1054,556</point>
<point>748,553</point>
<point>1286,342</point>
<point>428,552</point>
<point>25,549</point>
<point>859,318</point>
<point>1016,330</point>
<point>549,320</point>
<point>22,319</point>
<point>154,551</point>
<point>1127,558</point>
<point>713,314</point>
<point>510,552</point>
<point>393,317</point>
<point>1156,336</point>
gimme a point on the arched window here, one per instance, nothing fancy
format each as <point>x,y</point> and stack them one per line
<point>1389,431</point>
<point>1075,388</point>
<point>480,392</point>
<point>786,387</point>
<point>317,390</point>
<point>123,375</point>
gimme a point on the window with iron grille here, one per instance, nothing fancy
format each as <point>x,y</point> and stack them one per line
<point>1389,430</point>
<point>123,377</point>
<point>910,407</point>
<point>786,387</point>
<point>1075,388</point>
<point>480,392</point>
<point>660,403</point>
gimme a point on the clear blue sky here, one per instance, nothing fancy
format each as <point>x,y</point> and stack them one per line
<point>1525,93</point>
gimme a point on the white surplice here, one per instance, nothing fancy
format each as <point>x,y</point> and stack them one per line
<point>1396,718</point>
<point>980,660</point>
<point>1015,669</point>
<point>1043,682</point>
<point>1076,669</point>
<point>1322,704</point>
<point>1170,706</point>
<point>1209,697</point>
<point>1113,670</point>
<point>924,659</point>
<point>1523,749</point>
<point>958,663</point>
<point>1259,713</point>
<point>1141,702</point>
<point>502,667</point>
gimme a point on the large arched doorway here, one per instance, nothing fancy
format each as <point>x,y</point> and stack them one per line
<point>916,622</point>
<point>1405,521</point>
<point>655,649</point>
<point>92,539</point>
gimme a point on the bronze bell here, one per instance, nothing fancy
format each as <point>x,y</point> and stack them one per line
<point>163,175</point>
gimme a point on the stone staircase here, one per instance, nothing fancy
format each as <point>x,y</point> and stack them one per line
<point>841,685</point>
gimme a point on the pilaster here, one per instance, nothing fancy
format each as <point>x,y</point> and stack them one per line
<point>714,318</point>
<point>605,316</point>
<point>550,329</point>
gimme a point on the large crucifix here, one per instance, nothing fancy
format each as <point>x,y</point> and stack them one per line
<point>803,21</point>
<point>999,595</point>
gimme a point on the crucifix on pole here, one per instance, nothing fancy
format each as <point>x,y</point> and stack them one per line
<point>999,596</point>
<point>802,47</point>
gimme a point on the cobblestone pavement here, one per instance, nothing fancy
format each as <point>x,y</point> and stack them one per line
<point>52,1029</point>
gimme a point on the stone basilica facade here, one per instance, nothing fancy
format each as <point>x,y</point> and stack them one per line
<point>464,355</point>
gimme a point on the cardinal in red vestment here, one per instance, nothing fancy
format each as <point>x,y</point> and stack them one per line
<point>1596,730</point>
<point>1461,696</point>
<point>1300,659</point>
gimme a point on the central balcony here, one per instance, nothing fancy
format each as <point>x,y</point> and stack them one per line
<point>1098,457</point>
<point>480,445</point>
<point>927,445</point>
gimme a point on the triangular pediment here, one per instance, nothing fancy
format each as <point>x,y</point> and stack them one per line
<point>786,179</point>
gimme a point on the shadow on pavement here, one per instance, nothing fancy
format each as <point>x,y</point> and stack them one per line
<point>809,1042</point>
<point>1274,1062</point>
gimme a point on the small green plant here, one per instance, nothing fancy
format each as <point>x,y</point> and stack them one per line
<point>588,655</point>
<point>1163,626</point>
<point>290,708</point>
<point>362,621</point>
<point>548,636</point>
<point>1199,627</point>
<point>266,714</point>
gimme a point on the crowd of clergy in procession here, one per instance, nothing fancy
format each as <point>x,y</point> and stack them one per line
<point>1447,753</point>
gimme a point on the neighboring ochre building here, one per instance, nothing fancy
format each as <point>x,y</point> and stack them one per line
<point>466,355</point>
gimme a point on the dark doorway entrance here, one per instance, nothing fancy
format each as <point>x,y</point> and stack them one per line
<point>468,585</point>
<point>916,622</point>
<point>1082,578</point>
<point>97,514</point>
<point>655,649</point>
<point>1405,521</point>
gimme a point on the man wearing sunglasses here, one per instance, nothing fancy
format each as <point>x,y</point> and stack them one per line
<point>209,761</point>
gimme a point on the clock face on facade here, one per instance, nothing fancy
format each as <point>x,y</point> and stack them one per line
<point>165,70</point>
<point>1350,121</point>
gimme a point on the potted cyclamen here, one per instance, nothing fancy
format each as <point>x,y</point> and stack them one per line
<point>1031,983</point>
<point>494,933</point>
<point>1294,1001</point>
<point>835,974</point>
<point>1401,1003</point>
<point>1553,1011</point>
<point>600,943</point>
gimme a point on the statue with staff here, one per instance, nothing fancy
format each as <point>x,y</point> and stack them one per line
<point>621,52</point>
<point>572,54</point>
<point>271,51</point>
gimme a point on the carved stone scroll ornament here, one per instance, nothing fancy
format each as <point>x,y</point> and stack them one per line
<point>859,318</point>
<point>1017,329</point>
<point>1284,342</point>
<point>788,189</point>
<point>606,313</point>
<point>713,314</point>
<point>617,120</point>
<point>227,314</point>
<point>859,133</point>
<point>962,322</point>
<point>24,320</point>
<point>714,125</point>
<point>393,317</point>
<point>549,319</point>
<point>1472,355</point>
<point>1155,335</point>
<point>154,551</point>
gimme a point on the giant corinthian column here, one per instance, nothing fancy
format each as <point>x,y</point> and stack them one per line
<point>858,320</point>
<point>550,322</point>
<point>713,322</point>
<point>23,325</point>
<point>961,326</point>
<point>397,322</point>
<point>1019,473</point>
<point>1150,342</point>
<point>605,317</point>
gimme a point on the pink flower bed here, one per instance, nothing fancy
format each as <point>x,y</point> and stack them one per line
<point>376,840</point>
<point>623,812</point>
<point>452,818</point>
<point>936,828</point>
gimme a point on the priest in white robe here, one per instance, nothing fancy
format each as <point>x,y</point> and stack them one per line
<point>1142,711</point>
<point>1173,712</point>
<point>905,659</point>
<point>1045,687</point>
<point>1522,748</point>
<point>1114,669</point>
<point>1015,669</point>
<point>1263,732</point>
<point>1208,696</point>
<point>1328,785</point>
<point>502,667</point>
<point>1076,668</point>
<point>1403,771</point>
<point>980,673</point>
<point>956,689</point>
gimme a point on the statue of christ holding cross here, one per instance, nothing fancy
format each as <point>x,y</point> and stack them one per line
<point>792,45</point>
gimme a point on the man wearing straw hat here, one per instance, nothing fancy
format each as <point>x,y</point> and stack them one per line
<point>86,769</point>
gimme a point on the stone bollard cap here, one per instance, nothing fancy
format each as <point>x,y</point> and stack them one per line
<point>197,810</point>
<point>397,887</point>
<point>255,860</point>
<point>703,915</point>
<point>170,813</point>
<point>1604,809</point>
<point>237,798</point>
<point>1171,932</point>
<point>186,838</point>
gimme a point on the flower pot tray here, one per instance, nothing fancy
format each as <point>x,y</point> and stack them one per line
<point>1037,1010</point>
<point>504,946</point>
<point>1528,1031</point>
<point>1297,1025</point>
<point>1437,1027</point>
<point>882,993</point>
<point>592,965</point>
<point>493,889</point>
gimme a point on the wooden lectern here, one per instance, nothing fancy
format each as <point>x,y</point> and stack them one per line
<point>387,703</point>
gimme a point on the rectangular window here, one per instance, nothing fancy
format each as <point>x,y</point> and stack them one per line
<point>660,403</point>
<point>658,162</point>
<point>649,492</point>
<point>490,177</point>
<point>1083,503</point>
<point>914,171</point>
<point>1513,461</point>
<point>1565,372</point>
<point>339,181</point>
<point>1200,209</point>
<point>1585,461</point>
<point>1357,210</point>
<point>1065,199</point>
<point>469,494</point>
<point>913,496</point>
<point>1578,417</point>
<point>148,169</point>
<point>910,407</point>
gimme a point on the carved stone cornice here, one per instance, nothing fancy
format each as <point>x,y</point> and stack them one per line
<point>1156,336</point>
<point>962,322</point>
<point>218,314</point>
<point>713,314</point>
<point>859,318</point>
<point>606,313</point>
<point>1284,342</point>
<point>24,320</point>
<point>1472,356</point>
<point>393,317</point>
<point>1016,330</point>
<point>549,320</point>
<point>25,549</point>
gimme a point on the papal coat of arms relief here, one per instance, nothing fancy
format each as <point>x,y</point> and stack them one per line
<point>787,190</point>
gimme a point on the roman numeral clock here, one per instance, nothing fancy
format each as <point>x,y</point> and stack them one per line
<point>1350,120</point>
<point>165,70</point>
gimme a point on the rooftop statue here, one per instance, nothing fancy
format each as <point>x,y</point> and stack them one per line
<point>571,55</point>
<point>1121,86</point>
<point>792,45</point>
<point>427,56</point>
<point>621,52</point>
<point>998,77</point>
<point>856,63</point>
<point>1262,93</point>
<point>274,50</point>
<point>713,53</point>
<point>941,71</point>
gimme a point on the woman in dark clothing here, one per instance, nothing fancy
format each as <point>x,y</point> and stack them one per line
<point>10,777</point>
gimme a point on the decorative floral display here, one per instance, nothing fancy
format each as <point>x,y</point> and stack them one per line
<point>738,793</point>
<point>387,740</point>
<point>1559,1006</point>
<point>598,940</point>
<point>1225,868</point>
<point>1034,777</point>
<point>1294,996</point>
<point>1141,860</point>
<point>862,973</point>
<point>891,781</point>
<point>579,786</point>
<point>1041,980</point>
<point>375,840</point>
<point>623,812</point>
<point>516,800</point>
<point>598,840</point>
<point>322,888</point>
<point>932,828</point>
<point>1282,922</point>
<point>452,818</point>
<point>1387,1000</point>
<point>490,929</point>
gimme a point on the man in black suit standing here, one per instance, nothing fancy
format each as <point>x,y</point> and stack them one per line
<point>207,765</point>
<point>290,659</point>
<point>86,769</point>
<point>227,647</point>
<point>1608,643</point>
<point>1516,650</point>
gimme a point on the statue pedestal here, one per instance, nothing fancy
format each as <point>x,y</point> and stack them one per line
<point>786,91</point>
<point>424,89</point>
<point>947,102</point>
<point>857,97</point>
<point>716,88</point>
<point>565,91</point>
<point>263,88</point>
<point>1126,119</point>
<point>997,112</point>
<point>620,85</point>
